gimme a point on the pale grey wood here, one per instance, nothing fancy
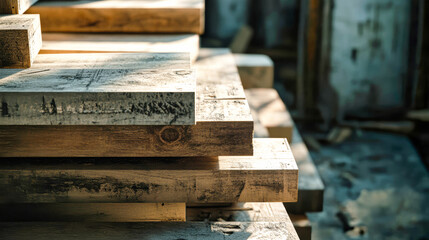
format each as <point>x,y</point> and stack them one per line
<point>270,175</point>
<point>244,212</point>
<point>158,231</point>
<point>105,43</point>
<point>150,61</point>
<point>20,40</point>
<point>52,92</point>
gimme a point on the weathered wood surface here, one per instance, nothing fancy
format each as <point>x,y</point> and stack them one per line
<point>302,226</point>
<point>310,185</point>
<point>271,111</point>
<point>247,221</point>
<point>140,61</point>
<point>20,40</point>
<point>61,89</point>
<point>120,43</point>
<point>244,212</point>
<point>271,175</point>
<point>158,231</point>
<point>224,125</point>
<point>15,6</point>
<point>256,70</point>
<point>94,212</point>
<point>178,16</point>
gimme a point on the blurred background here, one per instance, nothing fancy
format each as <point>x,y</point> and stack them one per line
<point>354,76</point>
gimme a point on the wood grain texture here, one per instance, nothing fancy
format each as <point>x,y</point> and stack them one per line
<point>271,111</point>
<point>62,89</point>
<point>15,6</point>
<point>271,175</point>
<point>120,43</point>
<point>149,231</point>
<point>310,185</point>
<point>224,125</point>
<point>244,212</point>
<point>256,70</point>
<point>140,61</point>
<point>20,40</point>
<point>178,16</point>
<point>94,212</point>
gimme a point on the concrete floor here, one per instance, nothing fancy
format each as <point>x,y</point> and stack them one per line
<point>376,188</point>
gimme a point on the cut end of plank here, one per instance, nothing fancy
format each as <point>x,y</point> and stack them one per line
<point>20,40</point>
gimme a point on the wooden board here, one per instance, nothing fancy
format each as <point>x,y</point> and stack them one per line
<point>246,221</point>
<point>310,185</point>
<point>302,226</point>
<point>271,175</point>
<point>120,43</point>
<point>178,16</point>
<point>256,70</point>
<point>15,6</point>
<point>244,212</point>
<point>94,212</point>
<point>272,112</point>
<point>224,125</point>
<point>20,40</point>
<point>66,89</point>
<point>149,231</point>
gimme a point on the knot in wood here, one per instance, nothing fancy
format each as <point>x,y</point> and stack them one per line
<point>170,134</point>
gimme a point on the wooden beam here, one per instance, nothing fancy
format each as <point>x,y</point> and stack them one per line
<point>224,125</point>
<point>20,40</point>
<point>149,231</point>
<point>271,111</point>
<point>71,92</point>
<point>256,70</point>
<point>271,175</point>
<point>246,221</point>
<point>15,6</point>
<point>94,212</point>
<point>178,16</point>
<point>120,43</point>
<point>244,212</point>
<point>310,185</point>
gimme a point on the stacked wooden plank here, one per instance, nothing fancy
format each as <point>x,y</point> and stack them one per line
<point>272,114</point>
<point>99,130</point>
<point>245,221</point>
<point>178,16</point>
<point>272,119</point>
<point>124,128</point>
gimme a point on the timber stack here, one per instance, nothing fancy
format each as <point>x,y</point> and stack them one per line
<point>111,113</point>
